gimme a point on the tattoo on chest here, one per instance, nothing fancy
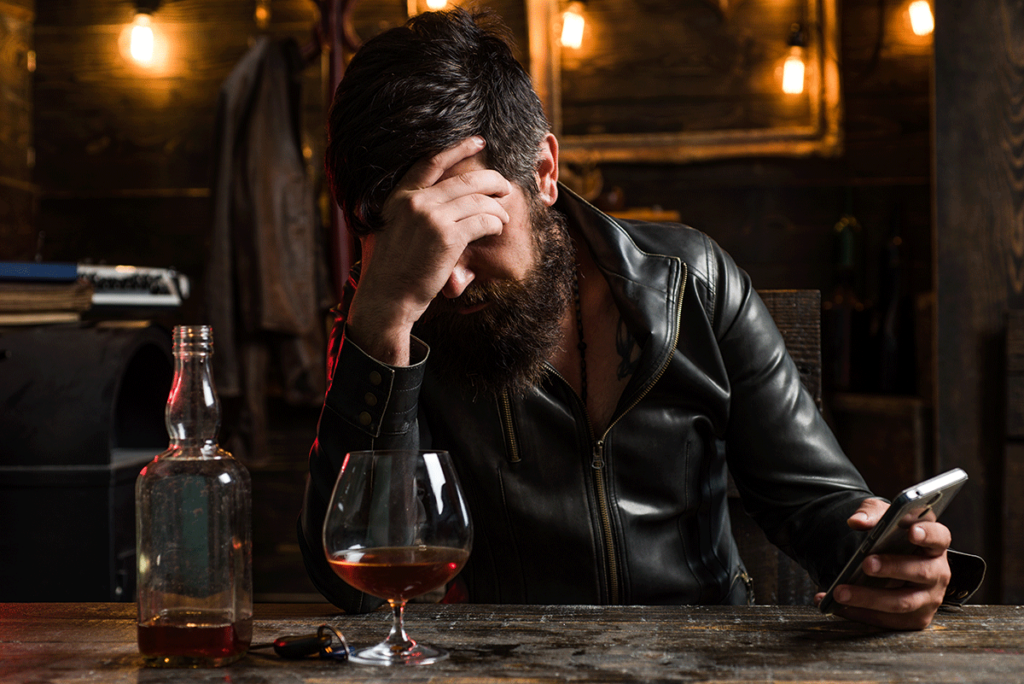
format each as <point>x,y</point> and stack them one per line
<point>629,352</point>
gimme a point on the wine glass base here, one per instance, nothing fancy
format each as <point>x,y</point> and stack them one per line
<point>383,654</point>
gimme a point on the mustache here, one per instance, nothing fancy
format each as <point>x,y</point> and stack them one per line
<point>501,292</point>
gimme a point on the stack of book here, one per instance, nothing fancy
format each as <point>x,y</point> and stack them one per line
<point>33,293</point>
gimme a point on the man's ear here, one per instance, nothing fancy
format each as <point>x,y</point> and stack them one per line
<point>547,170</point>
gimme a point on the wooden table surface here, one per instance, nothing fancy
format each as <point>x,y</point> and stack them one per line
<point>84,643</point>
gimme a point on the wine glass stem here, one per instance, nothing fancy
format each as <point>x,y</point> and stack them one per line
<point>398,641</point>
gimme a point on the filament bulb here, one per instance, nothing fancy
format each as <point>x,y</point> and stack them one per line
<point>921,20</point>
<point>141,44</point>
<point>793,72</point>
<point>572,26</point>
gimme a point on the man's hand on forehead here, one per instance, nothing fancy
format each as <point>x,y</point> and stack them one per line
<point>466,160</point>
<point>441,205</point>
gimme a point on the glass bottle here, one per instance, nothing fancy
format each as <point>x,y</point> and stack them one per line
<point>845,313</point>
<point>192,523</point>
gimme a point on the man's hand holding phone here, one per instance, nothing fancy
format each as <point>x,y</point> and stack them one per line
<point>916,583</point>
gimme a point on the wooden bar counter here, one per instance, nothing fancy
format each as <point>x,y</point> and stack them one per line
<point>84,643</point>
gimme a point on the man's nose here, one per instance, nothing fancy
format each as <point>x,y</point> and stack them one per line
<point>458,281</point>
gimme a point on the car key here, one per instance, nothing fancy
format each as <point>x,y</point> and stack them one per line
<point>330,651</point>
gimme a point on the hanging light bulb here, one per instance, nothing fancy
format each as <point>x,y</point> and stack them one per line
<point>572,26</point>
<point>262,14</point>
<point>414,7</point>
<point>141,43</point>
<point>793,72</point>
<point>921,20</point>
<point>794,66</point>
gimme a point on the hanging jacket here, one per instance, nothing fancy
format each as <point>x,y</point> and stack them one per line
<point>265,273</point>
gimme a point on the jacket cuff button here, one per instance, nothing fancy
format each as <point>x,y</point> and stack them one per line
<point>364,418</point>
<point>371,399</point>
<point>375,378</point>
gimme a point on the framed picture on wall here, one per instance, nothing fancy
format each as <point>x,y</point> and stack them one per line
<point>689,80</point>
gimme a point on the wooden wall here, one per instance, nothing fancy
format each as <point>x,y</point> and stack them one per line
<point>124,154</point>
<point>979,120</point>
<point>18,195</point>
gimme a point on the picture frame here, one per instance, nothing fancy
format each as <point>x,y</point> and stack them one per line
<point>678,81</point>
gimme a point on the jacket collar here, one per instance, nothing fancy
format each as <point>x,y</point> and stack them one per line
<point>648,288</point>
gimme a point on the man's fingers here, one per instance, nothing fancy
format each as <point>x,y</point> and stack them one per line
<point>426,172</point>
<point>916,569</point>
<point>868,514</point>
<point>481,182</point>
<point>448,221</point>
<point>931,536</point>
<point>473,205</point>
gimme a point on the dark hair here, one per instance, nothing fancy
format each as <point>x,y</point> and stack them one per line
<point>414,91</point>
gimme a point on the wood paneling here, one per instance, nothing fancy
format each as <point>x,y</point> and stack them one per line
<point>979,119</point>
<point>17,192</point>
<point>124,154</point>
<point>105,125</point>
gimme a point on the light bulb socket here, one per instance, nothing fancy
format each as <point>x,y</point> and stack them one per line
<point>797,37</point>
<point>146,6</point>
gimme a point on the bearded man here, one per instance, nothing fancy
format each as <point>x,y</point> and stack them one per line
<point>582,371</point>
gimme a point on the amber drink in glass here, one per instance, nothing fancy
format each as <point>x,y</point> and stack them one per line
<point>397,527</point>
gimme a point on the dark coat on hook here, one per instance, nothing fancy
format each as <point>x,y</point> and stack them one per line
<point>266,280</point>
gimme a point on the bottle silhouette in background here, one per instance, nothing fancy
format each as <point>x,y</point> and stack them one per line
<point>845,313</point>
<point>892,324</point>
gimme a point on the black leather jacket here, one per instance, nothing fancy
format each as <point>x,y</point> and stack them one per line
<point>637,515</point>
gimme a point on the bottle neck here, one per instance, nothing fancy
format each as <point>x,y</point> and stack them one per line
<point>193,414</point>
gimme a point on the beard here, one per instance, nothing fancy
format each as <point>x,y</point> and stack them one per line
<point>504,346</point>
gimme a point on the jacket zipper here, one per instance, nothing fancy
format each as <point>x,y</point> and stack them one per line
<point>606,520</point>
<point>597,462</point>
<point>510,434</point>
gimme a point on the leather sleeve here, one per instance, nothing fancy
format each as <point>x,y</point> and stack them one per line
<point>369,405</point>
<point>793,476</point>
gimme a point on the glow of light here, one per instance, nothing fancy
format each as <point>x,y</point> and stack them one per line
<point>262,15</point>
<point>142,43</point>
<point>921,20</point>
<point>793,72</point>
<point>437,4</point>
<point>572,26</point>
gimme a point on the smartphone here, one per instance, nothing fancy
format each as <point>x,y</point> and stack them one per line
<point>922,502</point>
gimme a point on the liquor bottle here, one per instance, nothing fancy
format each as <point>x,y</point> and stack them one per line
<point>845,313</point>
<point>192,523</point>
<point>889,327</point>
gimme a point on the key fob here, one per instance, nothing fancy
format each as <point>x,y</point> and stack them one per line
<point>301,646</point>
